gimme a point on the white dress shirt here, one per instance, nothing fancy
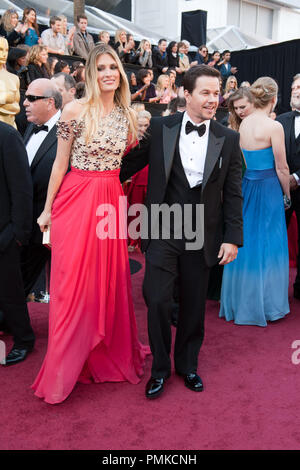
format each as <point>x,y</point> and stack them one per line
<point>297,126</point>
<point>193,149</point>
<point>36,140</point>
<point>297,132</point>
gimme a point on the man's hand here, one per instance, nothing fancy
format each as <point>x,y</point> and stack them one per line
<point>293,183</point>
<point>227,253</point>
<point>233,70</point>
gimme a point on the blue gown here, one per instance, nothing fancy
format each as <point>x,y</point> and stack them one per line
<point>255,285</point>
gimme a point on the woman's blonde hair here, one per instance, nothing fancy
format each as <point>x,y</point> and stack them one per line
<point>227,87</point>
<point>34,52</point>
<point>141,47</point>
<point>144,115</point>
<point>64,29</point>
<point>138,107</point>
<point>118,39</point>
<point>92,103</point>
<point>263,90</point>
<point>159,84</point>
<point>6,19</point>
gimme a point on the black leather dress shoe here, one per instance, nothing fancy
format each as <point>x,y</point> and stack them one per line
<point>154,387</point>
<point>16,355</point>
<point>193,382</point>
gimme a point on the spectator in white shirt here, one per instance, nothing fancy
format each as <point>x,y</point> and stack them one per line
<point>53,39</point>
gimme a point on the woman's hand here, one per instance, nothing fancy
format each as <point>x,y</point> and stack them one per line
<point>44,221</point>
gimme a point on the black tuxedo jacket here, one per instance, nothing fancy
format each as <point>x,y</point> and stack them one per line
<point>222,180</point>
<point>159,61</point>
<point>41,168</point>
<point>287,120</point>
<point>15,188</point>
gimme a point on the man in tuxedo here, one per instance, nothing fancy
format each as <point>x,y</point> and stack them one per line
<point>194,162</point>
<point>43,109</point>
<point>15,229</point>
<point>291,125</point>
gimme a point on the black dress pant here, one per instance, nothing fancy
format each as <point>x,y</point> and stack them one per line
<point>165,261</point>
<point>12,298</point>
<point>295,198</point>
<point>33,260</point>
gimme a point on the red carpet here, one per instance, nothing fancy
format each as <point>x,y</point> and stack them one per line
<point>251,397</point>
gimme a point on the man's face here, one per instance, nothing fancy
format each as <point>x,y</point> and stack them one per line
<point>163,46</point>
<point>67,95</point>
<point>202,103</point>
<point>56,27</point>
<point>38,111</point>
<point>82,24</point>
<point>227,56</point>
<point>295,96</point>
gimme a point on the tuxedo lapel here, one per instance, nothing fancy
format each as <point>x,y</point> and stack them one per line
<point>44,147</point>
<point>170,136</point>
<point>28,133</point>
<point>288,128</point>
<point>214,148</point>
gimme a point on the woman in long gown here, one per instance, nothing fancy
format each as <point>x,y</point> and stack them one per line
<point>255,285</point>
<point>92,328</point>
<point>240,105</point>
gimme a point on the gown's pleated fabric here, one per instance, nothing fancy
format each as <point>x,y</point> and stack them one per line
<point>255,285</point>
<point>92,327</point>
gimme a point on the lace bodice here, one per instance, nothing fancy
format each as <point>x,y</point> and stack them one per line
<point>106,150</point>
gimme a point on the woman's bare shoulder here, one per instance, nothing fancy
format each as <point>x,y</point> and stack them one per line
<point>72,111</point>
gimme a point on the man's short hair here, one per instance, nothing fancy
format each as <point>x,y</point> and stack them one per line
<point>226,52</point>
<point>52,92</point>
<point>296,77</point>
<point>161,40</point>
<point>190,77</point>
<point>53,20</point>
<point>69,81</point>
<point>81,17</point>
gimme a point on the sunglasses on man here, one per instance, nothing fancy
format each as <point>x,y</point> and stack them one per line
<point>33,98</point>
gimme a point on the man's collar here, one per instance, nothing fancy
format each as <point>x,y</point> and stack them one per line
<point>53,120</point>
<point>187,118</point>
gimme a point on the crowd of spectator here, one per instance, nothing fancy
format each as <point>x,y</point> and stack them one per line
<point>156,78</point>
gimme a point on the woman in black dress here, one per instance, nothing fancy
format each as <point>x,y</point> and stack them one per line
<point>38,63</point>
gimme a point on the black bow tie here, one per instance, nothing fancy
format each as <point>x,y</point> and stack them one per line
<point>189,127</point>
<point>296,113</point>
<point>37,128</point>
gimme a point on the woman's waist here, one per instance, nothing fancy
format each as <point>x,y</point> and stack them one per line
<point>96,173</point>
<point>255,174</point>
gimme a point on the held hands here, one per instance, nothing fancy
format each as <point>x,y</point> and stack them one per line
<point>44,221</point>
<point>227,253</point>
<point>293,183</point>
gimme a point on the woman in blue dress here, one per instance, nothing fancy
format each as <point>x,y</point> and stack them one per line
<point>255,285</point>
<point>32,34</point>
